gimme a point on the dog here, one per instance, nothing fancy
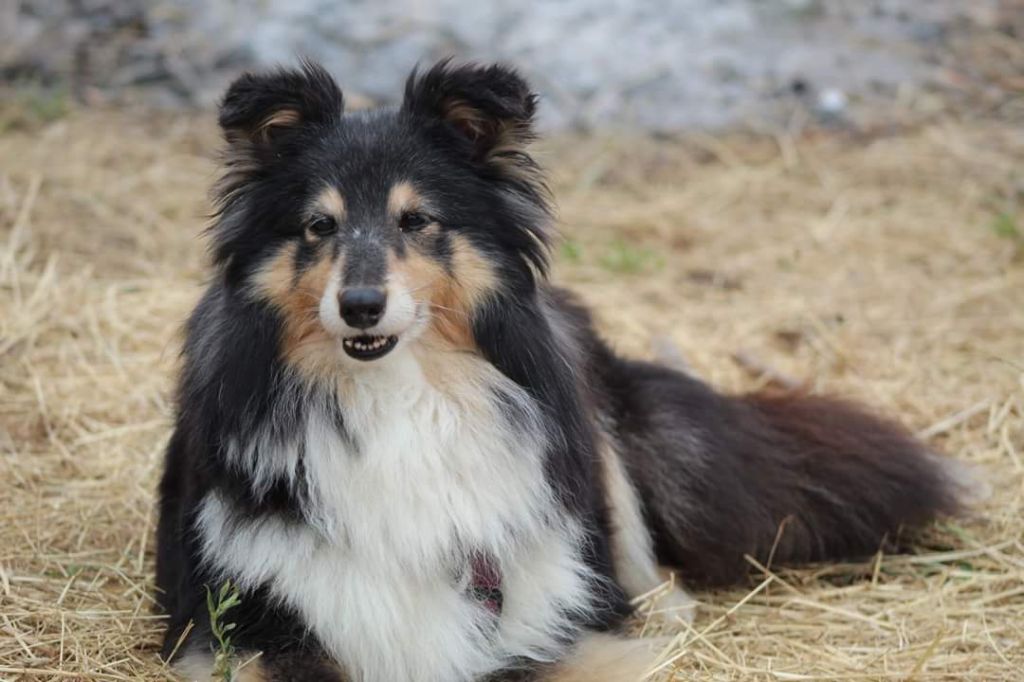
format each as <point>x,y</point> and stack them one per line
<point>410,457</point>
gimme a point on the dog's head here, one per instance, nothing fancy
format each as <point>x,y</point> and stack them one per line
<point>368,231</point>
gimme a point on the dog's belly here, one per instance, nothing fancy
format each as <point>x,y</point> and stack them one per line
<point>381,570</point>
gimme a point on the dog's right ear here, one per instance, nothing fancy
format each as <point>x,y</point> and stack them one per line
<point>261,111</point>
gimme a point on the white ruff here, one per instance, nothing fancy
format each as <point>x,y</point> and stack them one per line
<point>432,472</point>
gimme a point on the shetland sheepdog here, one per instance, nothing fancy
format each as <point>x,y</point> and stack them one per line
<point>411,457</point>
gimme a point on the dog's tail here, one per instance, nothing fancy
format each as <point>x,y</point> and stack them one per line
<point>784,478</point>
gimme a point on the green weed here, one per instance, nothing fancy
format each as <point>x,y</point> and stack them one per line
<point>29,105</point>
<point>628,259</point>
<point>572,251</point>
<point>227,598</point>
<point>1005,225</point>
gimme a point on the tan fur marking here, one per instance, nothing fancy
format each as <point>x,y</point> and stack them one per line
<point>465,116</point>
<point>474,273</point>
<point>253,671</point>
<point>452,296</point>
<point>274,278</point>
<point>472,277</point>
<point>456,375</point>
<point>403,197</point>
<point>508,140</point>
<point>283,118</point>
<point>295,666</point>
<point>194,667</point>
<point>606,658</point>
<point>304,343</point>
<point>507,154</point>
<point>632,551</point>
<point>421,274</point>
<point>331,203</point>
<point>633,556</point>
<point>426,279</point>
<point>239,157</point>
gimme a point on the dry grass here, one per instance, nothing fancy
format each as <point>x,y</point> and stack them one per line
<point>888,270</point>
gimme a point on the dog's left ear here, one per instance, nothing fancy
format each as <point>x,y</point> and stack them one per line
<point>489,107</point>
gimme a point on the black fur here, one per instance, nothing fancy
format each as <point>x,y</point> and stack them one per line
<point>786,478</point>
<point>792,478</point>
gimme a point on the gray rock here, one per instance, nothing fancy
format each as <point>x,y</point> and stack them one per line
<point>656,65</point>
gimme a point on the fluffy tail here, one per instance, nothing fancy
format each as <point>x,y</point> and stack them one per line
<point>784,478</point>
<point>850,479</point>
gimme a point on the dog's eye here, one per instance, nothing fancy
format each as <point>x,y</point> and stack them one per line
<point>413,221</point>
<point>323,226</point>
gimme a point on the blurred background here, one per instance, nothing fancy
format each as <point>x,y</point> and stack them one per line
<point>817,194</point>
<point>598,63</point>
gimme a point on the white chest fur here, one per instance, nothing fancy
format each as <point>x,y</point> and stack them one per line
<point>431,473</point>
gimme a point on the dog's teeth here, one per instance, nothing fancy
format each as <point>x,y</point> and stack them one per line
<point>369,344</point>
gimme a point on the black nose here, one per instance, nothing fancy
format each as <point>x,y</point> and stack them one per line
<point>362,308</point>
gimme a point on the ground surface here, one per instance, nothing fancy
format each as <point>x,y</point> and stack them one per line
<point>887,269</point>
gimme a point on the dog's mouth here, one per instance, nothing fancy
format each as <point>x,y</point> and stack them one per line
<point>368,347</point>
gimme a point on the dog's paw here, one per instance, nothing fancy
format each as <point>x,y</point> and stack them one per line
<point>675,603</point>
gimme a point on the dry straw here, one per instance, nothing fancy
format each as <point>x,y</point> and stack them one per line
<point>887,269</point>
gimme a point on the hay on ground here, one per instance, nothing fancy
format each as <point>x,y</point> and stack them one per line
<point>889,270</point>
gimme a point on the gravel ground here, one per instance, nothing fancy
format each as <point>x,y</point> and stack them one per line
<point>661,66</point>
